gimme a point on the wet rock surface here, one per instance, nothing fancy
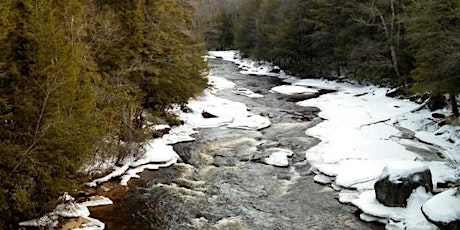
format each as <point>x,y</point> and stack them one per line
<point>394,193</point>
<point>223,182</point>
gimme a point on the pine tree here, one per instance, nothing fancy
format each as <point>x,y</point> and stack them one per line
<point>247,38</point>
<point>50,126</point>
<point>75,77</point>
<point>434,29</point>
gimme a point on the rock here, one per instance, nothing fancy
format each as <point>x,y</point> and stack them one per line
<point>437,102</point>
<point>206,114</point>
<point>443,210</point>
<point>445,184</point>
<point>186,109</point>
<point>73,223</point>
<point>105,188</point>
<point>438,115</point>
<point>397,181</point>
<point>275,70</point>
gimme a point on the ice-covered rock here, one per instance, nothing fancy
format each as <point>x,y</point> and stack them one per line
<point>399,179</point>
<point>443,210</point>
<point>278,157</point>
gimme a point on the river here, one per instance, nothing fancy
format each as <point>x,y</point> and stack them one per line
<point>222,182</point>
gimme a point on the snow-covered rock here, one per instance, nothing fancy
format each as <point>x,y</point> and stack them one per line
<point>70,214</point>
<point>409,217</point>
<point>278,157</point>
<point>443,210</point>
<point>399,179</point>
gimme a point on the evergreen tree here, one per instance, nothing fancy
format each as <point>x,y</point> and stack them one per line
<point>75,77</point>
<point>247,38</point>
<point>434,29</point>
<point>49,126</point>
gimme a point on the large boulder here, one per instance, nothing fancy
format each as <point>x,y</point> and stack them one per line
<point>443,210</point>
<point>397,181</point>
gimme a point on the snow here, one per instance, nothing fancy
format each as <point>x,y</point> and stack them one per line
<point>363,131</point>
<point>157,153</point>
<point>410,217</point>
<point>229,113</point>
<point>69,209</point>
<point>444,207</point>
<point>161,127</point>
<point>293,89</point>
<point>117,171</point>
<point>220,83</point>
<point>97,201</point>
<point>225,55</point>
<point>246,92</point>
<point>179,134</point>
<point>402,169</point>
<point>440,142</point>
<point>362,134</point>
<point>278,157</point>
<point>322,179</point>
<point>247,66</point>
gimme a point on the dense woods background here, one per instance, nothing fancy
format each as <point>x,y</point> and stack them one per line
<point>75,79</point>
<point>76,76</point>
<point>397,43</point>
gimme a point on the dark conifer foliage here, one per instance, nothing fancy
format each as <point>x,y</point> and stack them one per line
<point>75,78</point>
<point>397,43</point>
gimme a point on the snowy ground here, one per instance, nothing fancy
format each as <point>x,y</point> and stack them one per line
<point>363,131</point>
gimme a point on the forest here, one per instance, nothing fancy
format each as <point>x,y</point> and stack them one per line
<point>410,45</point>
<point>76,80</point>
<point>81,79</point>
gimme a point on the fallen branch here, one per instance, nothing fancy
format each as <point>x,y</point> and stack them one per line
<point>425,103</point>
<point>374,123</point>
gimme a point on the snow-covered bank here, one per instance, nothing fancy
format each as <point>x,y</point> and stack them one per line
<point>363,131</point>
<point>68,209</point>
<point>159,152</point>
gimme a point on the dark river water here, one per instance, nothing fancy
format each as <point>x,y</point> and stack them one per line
<point>222,182</point>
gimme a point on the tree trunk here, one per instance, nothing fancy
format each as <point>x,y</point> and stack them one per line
<point>453,104</point>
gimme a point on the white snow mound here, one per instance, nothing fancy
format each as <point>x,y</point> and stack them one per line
<point>293,89</point>
<point>402,169</point>
<point>444,207</point>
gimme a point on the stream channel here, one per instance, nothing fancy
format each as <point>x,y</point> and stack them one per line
<point>222,183</point>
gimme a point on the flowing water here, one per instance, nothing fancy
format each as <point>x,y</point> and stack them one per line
<point>222,182</point>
